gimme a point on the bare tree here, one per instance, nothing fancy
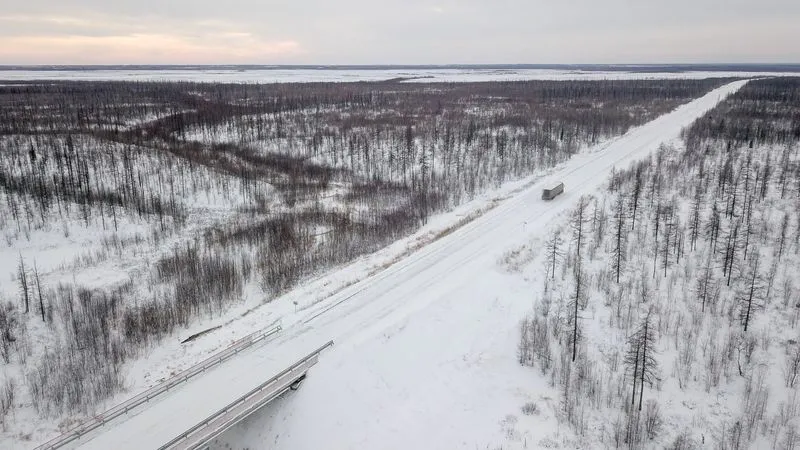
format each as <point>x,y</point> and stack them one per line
<point>791,367</point>
<point>749,296</point>
<point>782,236</point>
<point>578,224</point>
<point>705,289</point>
<point>574,304</point>
<point>656,226</point>
<point>39,289</point>
<point>732,243</point>
<point>580,216</point>
<point>785,168</point>
<point>636,194</point>
<point>766,175</point>
<point>640,357</point>
<point>553,249</point>
<point>694,218</point>
<point>670,231</point>
<point>619,253</point>
<point>22,274</point>
<point>8,325</point>
<point>712,227</point>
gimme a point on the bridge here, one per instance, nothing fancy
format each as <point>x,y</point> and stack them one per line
<point>188,430</point>
<point>205,431</point>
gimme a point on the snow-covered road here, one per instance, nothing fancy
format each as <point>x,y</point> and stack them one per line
<point>424,353</point>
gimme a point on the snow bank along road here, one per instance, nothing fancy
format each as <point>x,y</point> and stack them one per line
<point>425,350</point>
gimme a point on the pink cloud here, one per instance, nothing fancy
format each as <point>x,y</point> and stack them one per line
<point>146,48</point>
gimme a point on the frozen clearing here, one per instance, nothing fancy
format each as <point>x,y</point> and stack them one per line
<point>213,75</point>
<point>425,350</point>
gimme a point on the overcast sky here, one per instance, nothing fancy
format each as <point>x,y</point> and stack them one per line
<point>398,32</point>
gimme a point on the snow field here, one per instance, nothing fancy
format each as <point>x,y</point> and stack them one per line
<point>439,308</point>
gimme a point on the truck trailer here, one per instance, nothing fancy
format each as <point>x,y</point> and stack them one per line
<point>549,194</point>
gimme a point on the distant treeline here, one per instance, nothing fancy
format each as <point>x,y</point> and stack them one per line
<point>634,68</point>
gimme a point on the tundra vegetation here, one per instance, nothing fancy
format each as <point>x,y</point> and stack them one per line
<point>667,310</point>
<point>193,195</point>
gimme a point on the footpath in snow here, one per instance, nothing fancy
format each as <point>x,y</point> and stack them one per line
<point>425,350</point>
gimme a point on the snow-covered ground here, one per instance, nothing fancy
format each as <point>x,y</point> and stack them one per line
<point>327,75</point>
<point>425,347</point>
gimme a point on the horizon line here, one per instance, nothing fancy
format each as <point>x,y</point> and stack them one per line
<point>720,66</point>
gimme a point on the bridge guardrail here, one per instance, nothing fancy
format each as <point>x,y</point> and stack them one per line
<point>151,393</point>
<point>240,408</point>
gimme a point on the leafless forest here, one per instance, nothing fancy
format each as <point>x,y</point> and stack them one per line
<point>198,190</point>
<point>667,315</point>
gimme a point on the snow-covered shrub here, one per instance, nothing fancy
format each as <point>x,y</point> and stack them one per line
<point>7,396</point>
<point>653,421</point>
<point>530,409</point>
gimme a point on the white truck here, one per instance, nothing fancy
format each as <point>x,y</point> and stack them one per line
<point>549,194</point>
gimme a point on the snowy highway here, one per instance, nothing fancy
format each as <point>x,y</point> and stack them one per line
<point>424,353</point>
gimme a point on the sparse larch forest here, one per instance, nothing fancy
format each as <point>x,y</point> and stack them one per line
<point>190,195</point>
<point>668,307</point>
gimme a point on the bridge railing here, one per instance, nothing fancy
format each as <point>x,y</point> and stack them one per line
<point>99,420</point>
<point>217,423</point>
